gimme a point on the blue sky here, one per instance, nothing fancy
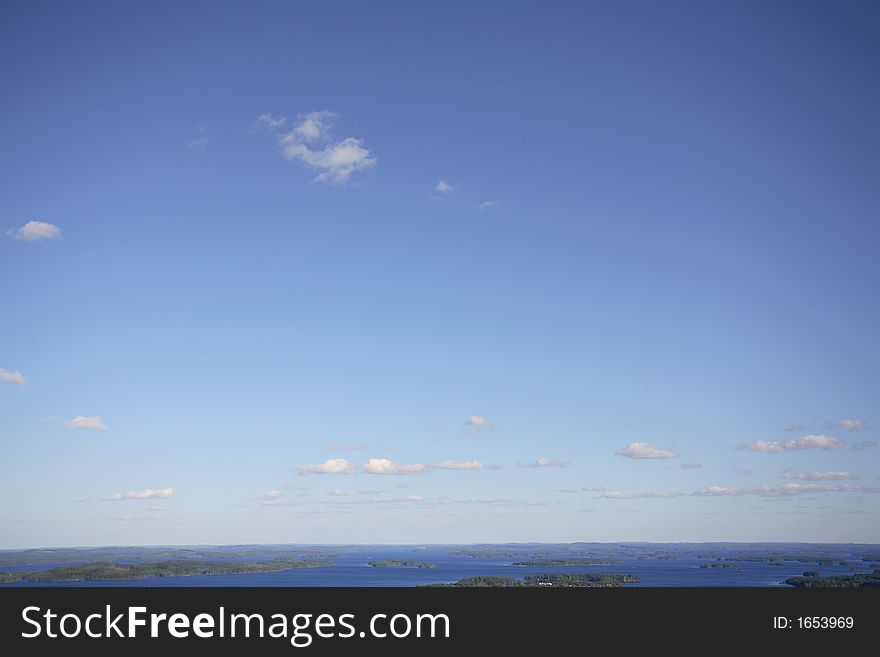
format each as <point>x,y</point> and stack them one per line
<point>558,271</point>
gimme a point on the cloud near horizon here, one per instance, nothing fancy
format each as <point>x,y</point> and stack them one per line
<point>645,451</point>
<point>35,230</point>
<point>148,494</point>
<point>784,490</point>
<point>819,476</point>
<point>621,495</point>
<point>812,441</point>
<point>343,447</point>
<point>544,462</point>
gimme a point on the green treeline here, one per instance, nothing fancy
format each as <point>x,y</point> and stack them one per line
<point>566,561</point>
<point>174,568</point>
<point>394,563</point>
<point>811,579</point>
<point>588,580</point>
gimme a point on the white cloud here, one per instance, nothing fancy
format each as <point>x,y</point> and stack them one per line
<point>851,425</point>
<point>620,495</point>
<point>645,451</point>
<point>198,144</point>
<point>336,492</point>
<point>591,489</point>
<point>15,378</point>
<point>785,490</point>
<point>35,230</point>
<point>148,494</point>
<point>330,466</point>
<point>476,421</point>
<point>461,465</point>
<point>386,467</point>
<point>341,446</point>
<point>415,498</point>
<point>812,441</point>
<point>309,142</point>
<point>791,428</point>
<point>819,476</point>
<point>544,462</point>
<point>270,122</point>
<point>444,187</point>
<point>690,466</point>
<point>86,422</point>
<point>271,498</point>
<point>272,494</point>
<point>488,205</point>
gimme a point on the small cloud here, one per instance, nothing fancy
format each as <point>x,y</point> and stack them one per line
<point>863,444</point>
<point>198,144</point>
<point>272,494</point>
<point>15,378</point>
<point>336,161</point>
<point>86,422</point>
<point>745,472</point>
<point>330,466</point>
<point>820,441</point>
<point>149,493</point>
<point>645,451</point>
<point>784,490</point>
<point>35,230</point>
<point>269,122</point>
<point>819,476</point>
<point>691,466</point>
<point>415,498</point>
<point>794,428</point>
<point>620,495</point>
<point>343,447</point>
<point>444,187</point>
<point>488,205</point>
<point>336,493</point>
<point>477,424</point>
<point>544,462</point>
<point>591,489</point>
<point>155,508</point>
<point>386,467</point>
<point>48,418</point>
<point>462,465</point>
<point>567,490</point>
<point>851,425</point>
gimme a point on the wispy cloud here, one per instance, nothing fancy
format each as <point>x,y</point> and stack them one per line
<point>863,444</point>
<point>745,472</point>
<point>464,465</point>
<point>310,143</point>
<point>86,422</point>
<point>271,498</point>
<point>344,447</point>
<point>587,488</point>
<point>645,451</point>
<point>544,462</point>
<point>15,378</point>
<point>336,492</point>
<point>35,230</point>
<point>785,490</point>
<point>386,467</point>
<point>691,466</point>
<point>148,494</point>
<point>794,428</point>
<point>330,466</point>
<point>852,425</point>
<point>812,441</point>
<point>488,205</point>
<point>621,495</point>
<point>819,476</point>
<point>198,144</point>
<point>444,187</point>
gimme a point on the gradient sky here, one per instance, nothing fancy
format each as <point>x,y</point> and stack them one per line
<point>576,272</point>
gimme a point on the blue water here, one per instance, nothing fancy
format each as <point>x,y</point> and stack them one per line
<point>351,569</point>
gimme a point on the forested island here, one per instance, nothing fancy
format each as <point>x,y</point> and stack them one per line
<point>174,568</point>
<point>566,561</point>
<point>398,563</point>
<point>580,580</point>
<point>812,579</point>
